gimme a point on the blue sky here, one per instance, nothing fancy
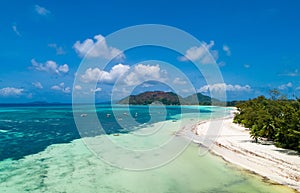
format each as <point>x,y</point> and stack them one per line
<point>255,44</point>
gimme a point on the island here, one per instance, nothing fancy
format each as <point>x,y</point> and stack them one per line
<point>169,98</point>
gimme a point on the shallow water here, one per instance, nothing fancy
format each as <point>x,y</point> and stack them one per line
<point>72,168</point>
<point>66,164</point>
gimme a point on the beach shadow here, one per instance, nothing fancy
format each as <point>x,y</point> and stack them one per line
<point>288,151</point>
<point>260,142</point>
<point>246,141</point>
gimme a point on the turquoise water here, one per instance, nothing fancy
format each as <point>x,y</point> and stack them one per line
<point>26,130</point>
<point>41,151</point>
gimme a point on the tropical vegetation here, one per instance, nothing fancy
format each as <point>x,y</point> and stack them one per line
<point>169,98</point>
<point>276,119</point>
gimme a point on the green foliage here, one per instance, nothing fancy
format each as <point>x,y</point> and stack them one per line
<point>146,98</point>
<point>169,98</point>
<point>276,119</point>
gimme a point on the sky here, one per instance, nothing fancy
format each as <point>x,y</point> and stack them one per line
<point>255,45</point>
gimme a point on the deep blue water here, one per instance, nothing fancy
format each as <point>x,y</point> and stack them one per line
<point>26,130</point>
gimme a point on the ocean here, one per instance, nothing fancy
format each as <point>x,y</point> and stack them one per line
<point>42,150</point>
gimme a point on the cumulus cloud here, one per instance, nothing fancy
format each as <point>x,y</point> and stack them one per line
<point>247,66</point>
<point>97,75</point>
<point>37,85</point>
<point>179,81</point>
<point>222,87</point>
<point>11,91</point>
<point>41,10</point>
<point>97,48</point>
<point>144,75</point>
<point>59,50</point>
<point>141,73</point>
<point>227,50</point>
<point>203,53</point>
<point>61,87</point>
<point>56,87</point>
<point>63,68</point>
<point>127,76</point>
<point>14,27</point>
<point>285,86</point>
<point>147,85</point>
<point>78,87</point>
<point>96,90</point>
<point>50,66</point>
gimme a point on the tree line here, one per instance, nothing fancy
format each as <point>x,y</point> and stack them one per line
<point>276,119</point>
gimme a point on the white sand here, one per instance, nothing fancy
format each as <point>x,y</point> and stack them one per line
<point>235,145</point>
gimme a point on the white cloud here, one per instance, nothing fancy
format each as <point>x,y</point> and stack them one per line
<point>227,50</point>
<point>298,88</point>
<point>147,85</point>
<point>96,90</point>
<point>222,87</point>
<point>78,87</point>
<point>247,66</point>
<point>291,74</point>
<point>56,87</point>
<point>50,66</point>
<point>98,48</point>
<point>179,81</point>
<point>67,90</point>
<point>61,87</point>
<point>97,75</point>
<point>203,53</point>
<point>41,10</point>
<point>142,73</point>
<point>92,75</point>
<point>10,91</point>
<point>145,75</point>
<point>59,50</point>
<point>125,75</point>
<point>63,68</point>
<point>285,86</point>
<point>14,27</point>
<point>37,85</point>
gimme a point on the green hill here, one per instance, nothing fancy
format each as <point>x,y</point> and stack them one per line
<point>168,98</point>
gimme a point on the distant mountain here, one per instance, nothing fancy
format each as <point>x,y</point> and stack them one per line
<point>198,98</point>
<point>168,98</point>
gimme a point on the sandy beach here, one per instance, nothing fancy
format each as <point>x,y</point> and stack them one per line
<point>234,144</point>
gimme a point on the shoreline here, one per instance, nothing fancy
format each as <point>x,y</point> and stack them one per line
<point>233,143</point>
